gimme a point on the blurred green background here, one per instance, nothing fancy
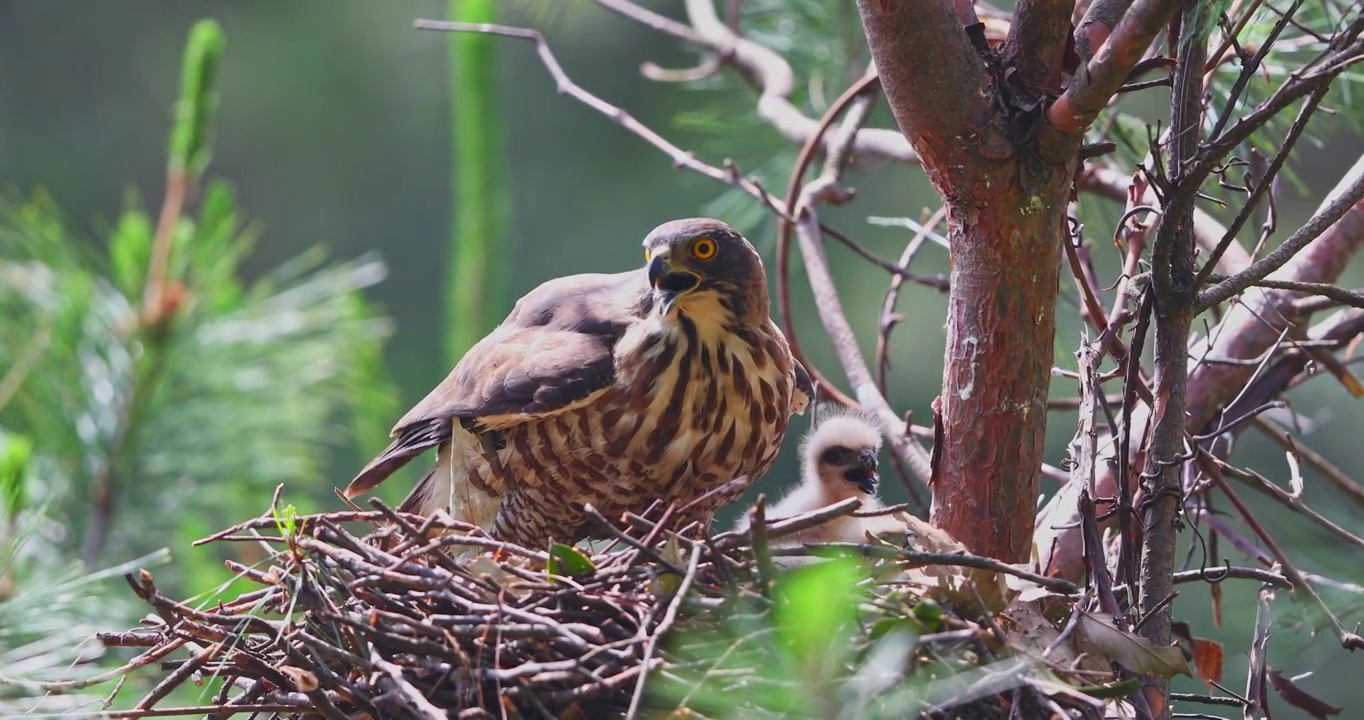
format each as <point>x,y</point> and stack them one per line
<point>334,128</point>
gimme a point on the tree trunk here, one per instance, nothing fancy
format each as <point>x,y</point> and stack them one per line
<point>1006,177</point>
<point>1001,323</point>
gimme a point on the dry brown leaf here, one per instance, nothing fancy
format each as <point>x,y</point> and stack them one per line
<point>1208,658</point>
<point>303,680</point>
<point>1299,698</point>
<point>1100,637</point>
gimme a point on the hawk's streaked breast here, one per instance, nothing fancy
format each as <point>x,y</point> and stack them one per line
<point>715,409</point>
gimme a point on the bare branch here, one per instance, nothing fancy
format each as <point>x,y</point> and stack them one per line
<point>1036,43</point>
<point>1097,81</point>
<point>845,343</point>
<point>1250,328</point>
<point>1263,184</point>
<point>858,92</point>
<point>1315,80</point>
<point>1109,183</point>
<point>1347,485</point>
<point>1341,296</point>
<point>931,75</point>
<point>766,69</point>
<point>1344,199</point>
<point>565,85</point>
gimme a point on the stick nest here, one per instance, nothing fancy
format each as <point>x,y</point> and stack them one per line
<point>414,617</point>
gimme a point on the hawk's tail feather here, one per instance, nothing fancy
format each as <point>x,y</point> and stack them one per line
<point>378,471</point>
<point>410,443</point>
<point>413,502</point>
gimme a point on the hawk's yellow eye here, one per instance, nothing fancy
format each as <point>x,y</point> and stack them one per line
<point>704,249</point>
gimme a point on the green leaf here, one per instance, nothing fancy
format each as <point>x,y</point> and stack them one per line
<point>129,248</point>
<point>286,520</point>
<point>189,147</point>
<point>568,561</point>
<point>816,605</point>
<point>15,455</point>
<point>930,614</point>
<point>885,626</point>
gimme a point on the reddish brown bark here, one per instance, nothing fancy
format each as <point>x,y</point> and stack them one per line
<point>1116,55</point>
<point>1037,42</point>
<point>997,364</point>
<point>1006,196</point>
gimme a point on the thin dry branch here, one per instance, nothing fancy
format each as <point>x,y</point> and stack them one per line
<point>1250,329</point>
<point>1099,78</point>
<point>565,85</point>
<point>858,92</point>
<point>1109,183</point>
<point>893,427</point>
<point>767,70</point>
<point>1345,198</point>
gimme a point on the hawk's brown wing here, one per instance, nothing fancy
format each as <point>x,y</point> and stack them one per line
<point>553,352</point>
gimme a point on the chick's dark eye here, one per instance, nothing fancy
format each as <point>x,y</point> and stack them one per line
<point>836,456</point>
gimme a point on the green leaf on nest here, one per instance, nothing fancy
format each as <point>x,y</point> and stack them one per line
<point>568,561</point>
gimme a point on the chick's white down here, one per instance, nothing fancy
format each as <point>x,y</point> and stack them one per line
<point>835,467</point>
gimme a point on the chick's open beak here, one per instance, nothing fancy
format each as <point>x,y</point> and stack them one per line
<point>863,472</point>
<point>669,284</point>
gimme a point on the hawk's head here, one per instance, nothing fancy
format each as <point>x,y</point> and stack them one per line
<point>840,454</point>
<point>696,260</point>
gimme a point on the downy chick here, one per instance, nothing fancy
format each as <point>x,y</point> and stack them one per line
<point>838,461</point>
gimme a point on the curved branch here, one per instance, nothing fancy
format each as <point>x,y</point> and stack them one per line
<point>933,78</point>
<point>894,428</point>
<point>766,69</point>
<point>807,152</point>
<point>1036,43</point>
<point>1344,200</point>
<point>1097,81</point>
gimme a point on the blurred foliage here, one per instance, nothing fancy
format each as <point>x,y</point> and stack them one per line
<point>189,430</point>
<point>831,643</point>
<point>476,285</point>
<point>126,428</point>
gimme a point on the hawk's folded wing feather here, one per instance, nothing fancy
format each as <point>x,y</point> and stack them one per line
<point>555,351</point>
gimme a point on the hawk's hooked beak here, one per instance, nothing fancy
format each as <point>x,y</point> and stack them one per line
<point>669,284</point>
<point>863,472</point>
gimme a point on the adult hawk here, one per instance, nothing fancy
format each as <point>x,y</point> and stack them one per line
<point>662,383</point>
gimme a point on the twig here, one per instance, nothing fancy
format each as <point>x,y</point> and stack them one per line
<point>767,70</point>
<point>1341,296</point>
<point>565,85</point>
<point>1346,196</point>
<point>1213,467</point>
<point>803,160</point>
<point>1258,706</point>
<point>1344,483</point>
<point>889,318</point>
<point>949,559</point>
<point>845,343</point>
<point>664,626</point>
